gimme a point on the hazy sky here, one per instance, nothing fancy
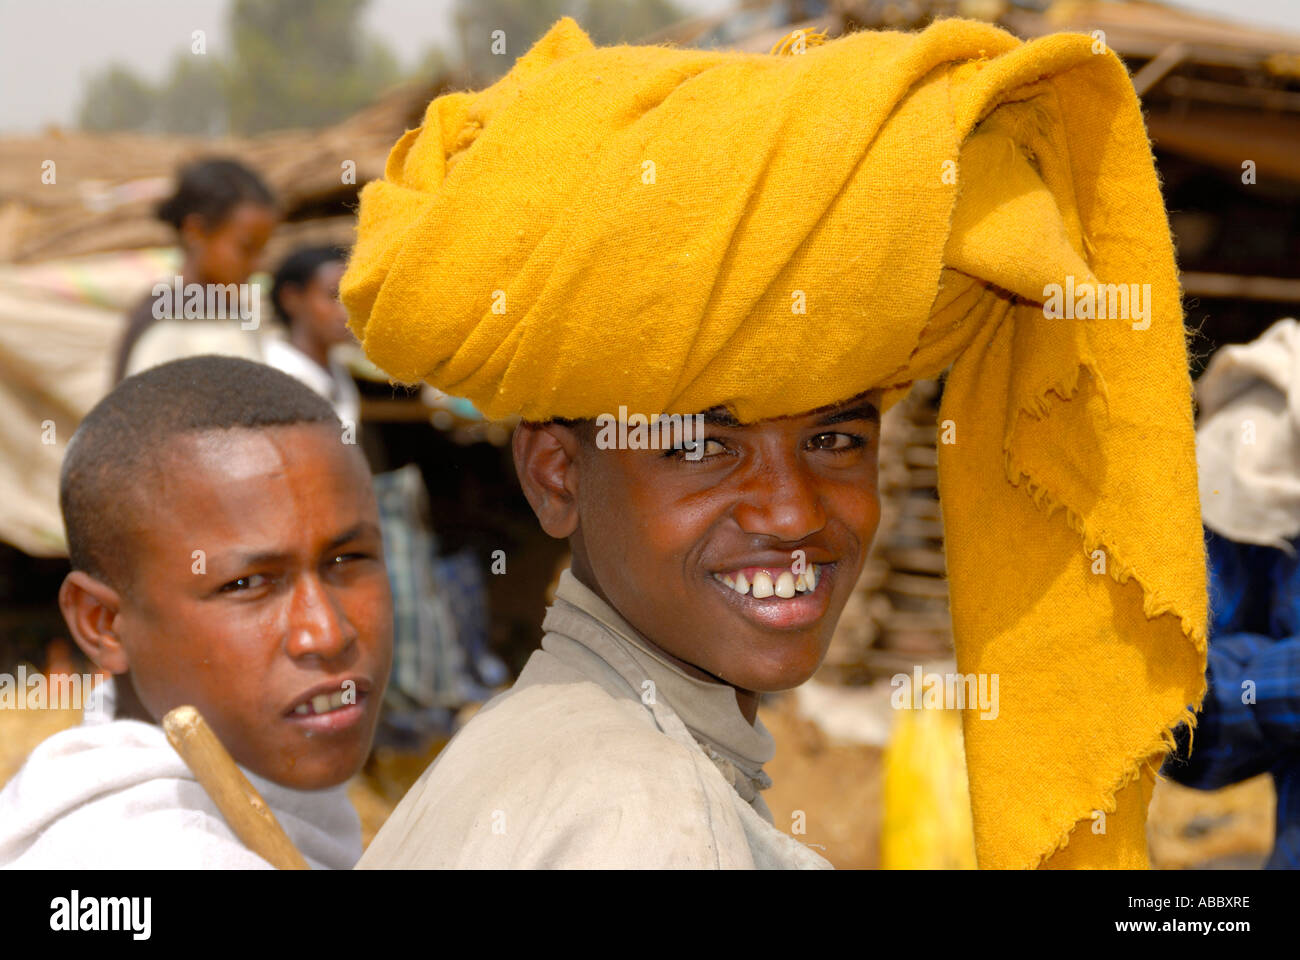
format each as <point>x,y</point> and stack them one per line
<point>46,46</point>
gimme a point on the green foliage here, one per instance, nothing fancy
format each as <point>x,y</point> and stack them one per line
<point>524,21</point>
<point>432,64</point>
<point>116,99</point>
<point>302,63</point>
<point>626,21</point>
<point>193,100</point>
<point>292,63</point>
<point>307,63</point>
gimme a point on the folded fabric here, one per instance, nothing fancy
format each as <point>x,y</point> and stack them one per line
<point>1248,440</point>
<point>672,230</point>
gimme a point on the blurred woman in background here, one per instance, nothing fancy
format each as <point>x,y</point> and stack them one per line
<point>224,214</point>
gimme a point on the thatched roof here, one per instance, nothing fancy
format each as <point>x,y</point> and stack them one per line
<point>107,184</point>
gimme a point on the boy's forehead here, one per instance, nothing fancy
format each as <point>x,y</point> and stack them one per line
<point>227,480</point>
<point>246,452</point>
<point>248,458</point>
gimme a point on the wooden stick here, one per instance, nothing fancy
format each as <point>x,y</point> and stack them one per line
<point>236,798</point>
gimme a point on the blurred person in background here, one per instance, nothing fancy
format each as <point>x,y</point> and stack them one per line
<point>224,214</point>
<point>1248,459</point>
<point>305,294</point>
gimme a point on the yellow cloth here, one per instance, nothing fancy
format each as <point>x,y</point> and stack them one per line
<point>640,226</point>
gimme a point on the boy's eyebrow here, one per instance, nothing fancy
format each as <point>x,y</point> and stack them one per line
<point>352,533</point>
<point>721,417</point>
<point>276,556</point>
<point>861,411</point>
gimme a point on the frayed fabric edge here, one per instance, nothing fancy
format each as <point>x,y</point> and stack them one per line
<point>1163,742</point>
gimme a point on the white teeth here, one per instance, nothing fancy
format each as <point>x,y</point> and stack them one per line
<point>324,703</point>
<point>786,585</point>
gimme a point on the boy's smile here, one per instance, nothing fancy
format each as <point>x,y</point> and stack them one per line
<point>260,596</point>
<point>775,595</point>
<point>669,542</point>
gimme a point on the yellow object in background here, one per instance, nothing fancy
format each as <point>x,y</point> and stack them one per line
<point>927,819</point>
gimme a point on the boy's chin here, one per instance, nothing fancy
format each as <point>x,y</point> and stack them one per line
<point>776,677</point>
<point>786,680</point>
<point>289,765</point>
<point>306,775</point>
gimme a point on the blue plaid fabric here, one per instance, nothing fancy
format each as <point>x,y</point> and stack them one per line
<point>1250,721</point>
<point>460,576</point>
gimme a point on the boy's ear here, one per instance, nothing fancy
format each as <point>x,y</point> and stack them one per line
<point>546,456</point>
<point>89,608</point>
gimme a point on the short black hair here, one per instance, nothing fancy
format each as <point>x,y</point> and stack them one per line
<point>122,440</point>
<point>298,269</point>
<point>212,187</point>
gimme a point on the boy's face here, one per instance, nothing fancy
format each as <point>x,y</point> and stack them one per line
<point>287,605</point>
<point>667,539</point>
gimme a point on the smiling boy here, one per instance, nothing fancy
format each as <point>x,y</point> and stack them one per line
<point>631,739</point>
<point>225,554</point>
<point>766,239</point>
<point>711,558</point>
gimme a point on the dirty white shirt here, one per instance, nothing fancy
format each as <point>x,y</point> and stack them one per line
<point>113,794</point>
<point>334,384</point>
<point>602,754</point>
<point>1248,439</point>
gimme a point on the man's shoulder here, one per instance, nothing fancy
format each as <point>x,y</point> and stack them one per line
<point>562,770</point>
<point>112,795</point>
<point>558,716</point>
<point>120,745</point>
<point>138,829</point>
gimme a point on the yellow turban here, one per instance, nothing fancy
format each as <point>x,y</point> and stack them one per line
<point>673,229</point>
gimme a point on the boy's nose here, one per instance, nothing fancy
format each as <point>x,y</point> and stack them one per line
<point>780,500</point>
<point>317,626</point>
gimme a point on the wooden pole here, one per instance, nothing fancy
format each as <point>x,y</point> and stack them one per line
<point>236,798</point>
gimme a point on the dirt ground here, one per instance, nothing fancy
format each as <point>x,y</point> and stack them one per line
<point>831,788</point>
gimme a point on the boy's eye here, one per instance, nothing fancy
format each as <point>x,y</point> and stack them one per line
<point>345,557</point>
<point>711,448</point>
<point>249,582</point>
<point>836,442</point>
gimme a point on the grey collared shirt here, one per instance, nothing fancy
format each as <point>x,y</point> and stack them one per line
<point>603,754</point>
